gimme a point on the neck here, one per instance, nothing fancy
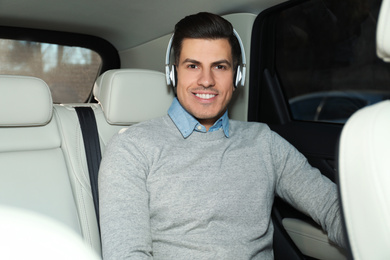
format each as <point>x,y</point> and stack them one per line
<point>207,123</point>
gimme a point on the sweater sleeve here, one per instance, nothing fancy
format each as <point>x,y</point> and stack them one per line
<point>306,189</point>
<point>124,202</point>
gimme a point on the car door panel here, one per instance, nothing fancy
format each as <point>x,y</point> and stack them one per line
<point>294,231</point>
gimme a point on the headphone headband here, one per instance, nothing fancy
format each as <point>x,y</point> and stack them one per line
<point>241,69</point>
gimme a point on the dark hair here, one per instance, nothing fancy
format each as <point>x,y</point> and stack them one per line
<point>205,26</point>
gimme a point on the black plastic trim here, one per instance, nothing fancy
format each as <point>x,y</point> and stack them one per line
<point>262,58</point>
<point>267,104</point>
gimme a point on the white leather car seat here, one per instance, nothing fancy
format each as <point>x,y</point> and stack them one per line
<point>28,235</point>
<point>383,32</point>
<point>42,157</point>
<point>126,97</point>
<point>364,177</point>
<point>364,168</point>
<point>36,170</point>
<point>129,96</point>
<point>33,171</point>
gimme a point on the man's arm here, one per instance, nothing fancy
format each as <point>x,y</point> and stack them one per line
<point>124,202</point>
<point>306,189</point>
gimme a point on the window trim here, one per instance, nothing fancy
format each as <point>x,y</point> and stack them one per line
<point>263,69</point>
<point>107,52</point>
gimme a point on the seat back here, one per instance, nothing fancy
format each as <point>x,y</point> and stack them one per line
<point>119,93</point>
<point>73,149</point>
<point>36,167</point>
<point>33,171</point>
<point>364,176</point>
<point>127,97</point>
<point>364,169</point>
<point>43,165</point>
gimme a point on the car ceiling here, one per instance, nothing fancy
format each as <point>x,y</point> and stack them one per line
<point>124,23</point>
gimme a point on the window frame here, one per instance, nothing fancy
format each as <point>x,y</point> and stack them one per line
<point>262,99</point>
<point>316,140</point>
<point>108,53</point>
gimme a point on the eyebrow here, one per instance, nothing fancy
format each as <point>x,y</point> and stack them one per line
<point>224,61</point>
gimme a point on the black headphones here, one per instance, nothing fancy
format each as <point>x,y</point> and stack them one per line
<point>171,75</point>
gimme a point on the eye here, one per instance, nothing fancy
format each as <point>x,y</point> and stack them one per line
<point>192,66</point>
<point>220,67</point>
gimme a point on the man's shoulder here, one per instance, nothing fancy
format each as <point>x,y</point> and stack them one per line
<point>143,135</point>
<point>151,126</point>
<point>248,127</point>
<point>151,123</point>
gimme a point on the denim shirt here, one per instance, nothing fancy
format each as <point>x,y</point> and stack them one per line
<point>186,123</point>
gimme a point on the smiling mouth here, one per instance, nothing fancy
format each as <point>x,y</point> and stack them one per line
<point>205,96</point>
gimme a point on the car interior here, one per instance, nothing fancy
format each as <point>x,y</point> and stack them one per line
<point>75,73</point>
<point>367,168</point>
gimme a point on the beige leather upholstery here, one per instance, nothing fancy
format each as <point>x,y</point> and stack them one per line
<point>28,235</point>
<point>364,177</point>
<point>25,101</point>
<point>35,171</point>
<point>311,240</point>
<point>128,96</point>
<point>364,181</point>
<point>383,32</point>
<point>74,154</point>
<point>43,166</point>
<point>118,92</point>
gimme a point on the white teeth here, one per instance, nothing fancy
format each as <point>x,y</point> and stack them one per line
<point>205,96</point>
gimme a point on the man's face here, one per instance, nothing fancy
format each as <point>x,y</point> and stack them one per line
<point>205,78</point>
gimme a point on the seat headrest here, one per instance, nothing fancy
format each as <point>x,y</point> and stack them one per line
<point>24,101</point>
<point>129,96</point>
<point>383,32</point>
<point>364,177</point>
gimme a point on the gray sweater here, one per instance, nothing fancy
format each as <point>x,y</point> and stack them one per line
<point>207,196</point>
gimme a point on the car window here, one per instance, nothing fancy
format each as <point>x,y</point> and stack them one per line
<point>69,71</point>
<point>338,109</point>
<point>325,57</point>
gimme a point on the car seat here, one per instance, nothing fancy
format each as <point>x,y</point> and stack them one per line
<point>364,169</point>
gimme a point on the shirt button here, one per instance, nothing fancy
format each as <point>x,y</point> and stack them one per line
<point>199,127</point>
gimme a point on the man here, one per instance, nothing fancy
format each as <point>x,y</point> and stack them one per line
<point>196,185</point>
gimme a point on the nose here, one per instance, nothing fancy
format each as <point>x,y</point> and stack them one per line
<point>206,78</point>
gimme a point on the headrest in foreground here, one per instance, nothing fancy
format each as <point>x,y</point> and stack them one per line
<point>383,32</point>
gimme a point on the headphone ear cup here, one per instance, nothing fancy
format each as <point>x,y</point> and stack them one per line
<point>173,76</point>
<point>238,76</point>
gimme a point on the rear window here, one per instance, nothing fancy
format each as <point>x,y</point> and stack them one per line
<point>69,71</point>
<point>325,57</point>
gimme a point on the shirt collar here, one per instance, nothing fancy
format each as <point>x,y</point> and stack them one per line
<point>187,124</point>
